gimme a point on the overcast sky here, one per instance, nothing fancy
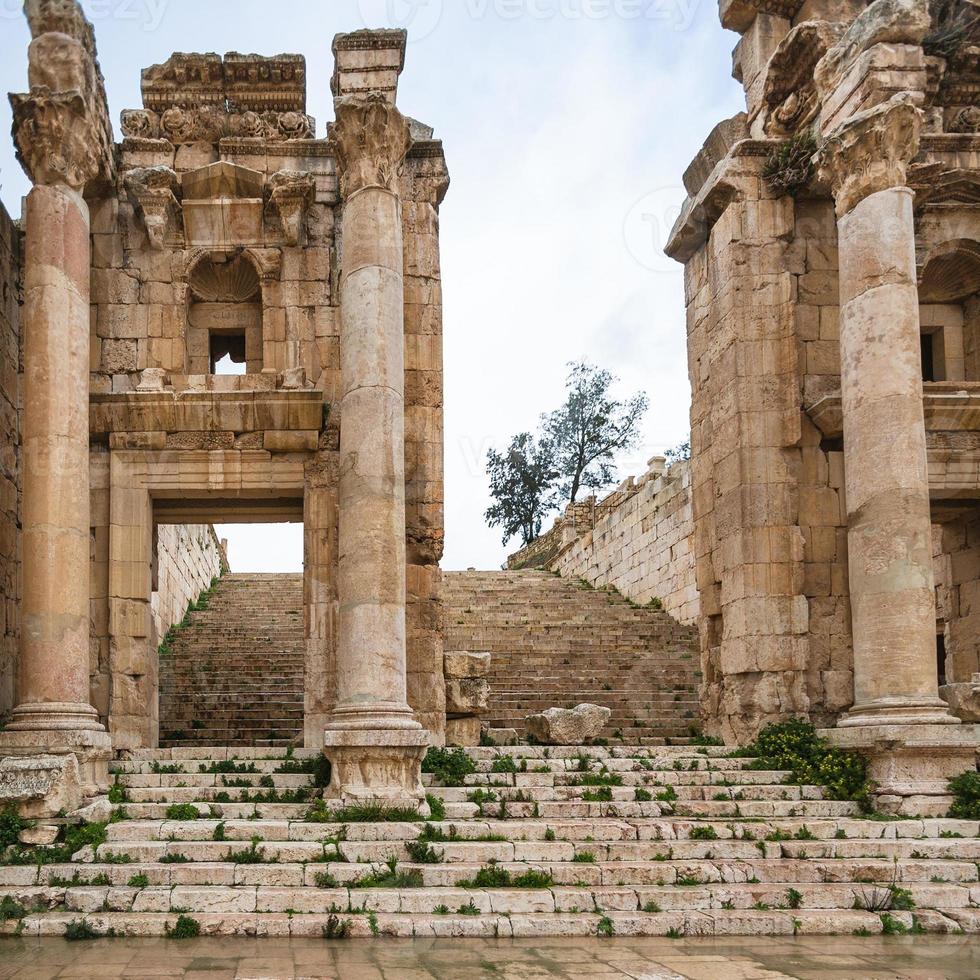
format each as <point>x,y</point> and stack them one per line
<point>567,125</point>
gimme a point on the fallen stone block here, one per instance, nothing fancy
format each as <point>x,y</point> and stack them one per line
<point>466,665</point>
<point>563,726</point>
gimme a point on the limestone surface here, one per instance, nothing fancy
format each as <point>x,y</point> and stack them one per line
<point>563,726</point>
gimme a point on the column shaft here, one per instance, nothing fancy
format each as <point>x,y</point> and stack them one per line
<point>889,527</point>
<point>371,682</point>
<point>54,659</point>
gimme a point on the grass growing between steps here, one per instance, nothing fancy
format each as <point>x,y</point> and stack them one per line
<point>492,876</point>
<point>813,761</point>
<point>198,605</point>
<point>966,796</point>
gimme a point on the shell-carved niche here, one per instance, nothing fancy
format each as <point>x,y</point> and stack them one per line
<point>225,314</point>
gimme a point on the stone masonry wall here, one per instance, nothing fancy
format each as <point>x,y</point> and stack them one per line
<point>188,558</point>
<point>10,298</point>
<point>638,540</point>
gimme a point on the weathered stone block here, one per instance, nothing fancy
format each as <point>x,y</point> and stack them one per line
<point>41,785</point>
<point>561,726</point>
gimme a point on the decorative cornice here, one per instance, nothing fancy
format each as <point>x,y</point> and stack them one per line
<point>871,151</point>
<point>370,140</point>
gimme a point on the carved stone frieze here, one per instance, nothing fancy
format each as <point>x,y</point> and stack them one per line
<point>211,124</point>
<point>153,192</point>
<point>186,81</point>
<point>790,91</point>
<point>370,140</point>
<point>291,195</point>
<point>965,120</point>
<point>871,151</point>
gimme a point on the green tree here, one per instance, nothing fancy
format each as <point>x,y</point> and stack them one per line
<point>590,428</point>
<point>522,485</point>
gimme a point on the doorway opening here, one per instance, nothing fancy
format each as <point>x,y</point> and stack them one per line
<point>229,613</point>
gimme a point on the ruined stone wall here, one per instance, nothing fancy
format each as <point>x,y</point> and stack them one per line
<point>188,558</point>
<point>959,596</point>
<point>638,540</point>
<point>10,346</point>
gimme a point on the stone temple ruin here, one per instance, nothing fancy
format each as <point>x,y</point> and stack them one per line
<point>817,558</point>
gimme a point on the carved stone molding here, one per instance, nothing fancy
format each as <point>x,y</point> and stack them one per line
<point>292,194</point>
<point>211,124</point>
<point>965,121</point>
<point>370,139</point>
<point>871,151</point>
<point>153,192</point>
<point>790,91</point>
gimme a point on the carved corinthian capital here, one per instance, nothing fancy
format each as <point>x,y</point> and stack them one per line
<point>56,143</point>
<point>871,151</point>
<point>370,140</point>
<point>61,127</point>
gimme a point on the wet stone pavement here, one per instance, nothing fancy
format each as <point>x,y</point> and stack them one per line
<point>906,958</point>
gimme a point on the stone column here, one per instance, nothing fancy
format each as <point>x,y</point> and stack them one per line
<point>887,483</point>
<point>61,134</point>
<point>373,738</point>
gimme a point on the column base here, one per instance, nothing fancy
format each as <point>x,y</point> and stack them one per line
<point>377,768</point>
<point>899,711</point>
<point>911,765</point>
<point>92,747</point>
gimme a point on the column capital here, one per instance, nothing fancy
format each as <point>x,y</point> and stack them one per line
<point>61,126</point>
<point>871,151</point>
<point>370,140</point>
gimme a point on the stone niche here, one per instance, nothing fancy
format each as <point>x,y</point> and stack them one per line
<point>224,315</point>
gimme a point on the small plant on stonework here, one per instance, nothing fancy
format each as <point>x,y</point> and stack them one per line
<point>481,796</point>
<point>794,899</point>
<point>10,827</point>
<point>603,794</point>
<point>437,808</point>
<point>503,763</point>
<point>117,793</point>
<point>323,879</point>
<point>337,928</point>
<point>450,767</point>
<point>253,854</point>
<point>184,928</point>
<point>11,910</point>
<point>422,853</point>
<point>605,927</point>
<point>706,741</point>
<point>641,795</point>
<point>703,833</point>
<point>667,795</point>
<point>966,796</point>
<point>789,168</point>
<point>470,908</point>
<point>441,910</point>
<point>584,857</point>
<point>651,908</point>
<point>183,811</point>
<point>138,881</point>
<point>796,747</point>
<point>392,878</point>
<point>79,930</point>
<point>549,834</point>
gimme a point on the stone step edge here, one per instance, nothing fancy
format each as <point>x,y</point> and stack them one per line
<point>410,925</point>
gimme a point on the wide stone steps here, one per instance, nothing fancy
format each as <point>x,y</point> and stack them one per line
<point>234,673</point>
<point>555,643</point>
<point>719,848</point>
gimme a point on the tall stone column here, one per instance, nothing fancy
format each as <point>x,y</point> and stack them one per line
<point>62,140</point>
<point>896,697</point>
<point>373,739</point>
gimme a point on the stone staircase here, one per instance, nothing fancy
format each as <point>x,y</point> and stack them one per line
<point>558,642</point>
<point>624,841</point>
<point>234,676</point>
